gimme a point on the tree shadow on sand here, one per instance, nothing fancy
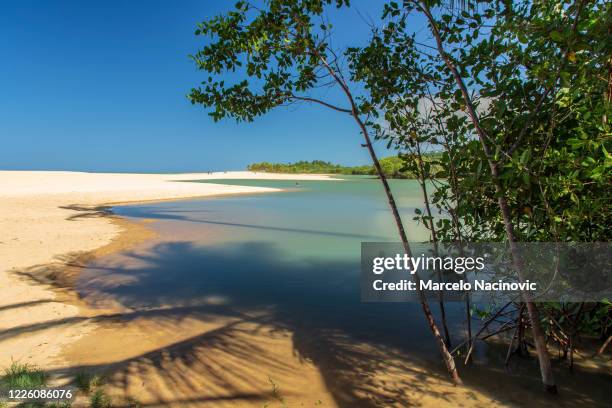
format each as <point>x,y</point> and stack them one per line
<point>368,354</point>
<point>84,211</point>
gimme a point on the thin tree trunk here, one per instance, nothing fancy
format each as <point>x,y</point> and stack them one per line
<point>434,238</point>
<point>532,311</point>
<point>604,346</point>
<point>536,329</point>
<point>522,350</point>
<point>354,112</point>
<point>453,183</point>
<point>446,356</point>
<point>517,335</point>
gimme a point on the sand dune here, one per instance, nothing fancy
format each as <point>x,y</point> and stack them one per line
<point>48,217</point>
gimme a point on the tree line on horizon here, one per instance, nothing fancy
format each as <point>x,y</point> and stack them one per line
<point>515,96</point>
<point>393,167</point>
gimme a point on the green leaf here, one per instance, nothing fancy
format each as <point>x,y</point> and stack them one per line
<point>556,36</point>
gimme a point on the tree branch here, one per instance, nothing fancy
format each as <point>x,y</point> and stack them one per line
<point>329,105</point>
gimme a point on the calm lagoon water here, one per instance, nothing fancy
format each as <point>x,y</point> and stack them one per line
<point>294,254</point>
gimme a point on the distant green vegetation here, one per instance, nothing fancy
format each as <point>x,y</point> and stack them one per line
<point>393,167</point>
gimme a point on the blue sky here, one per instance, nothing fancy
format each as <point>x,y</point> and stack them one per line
<point>102,85</point>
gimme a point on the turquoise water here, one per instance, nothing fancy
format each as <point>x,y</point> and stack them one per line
<point>295,254</point>
<point>311,219</point>
<point>321,219</point>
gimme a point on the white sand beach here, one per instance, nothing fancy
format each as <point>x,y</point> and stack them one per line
<point>49,217</point>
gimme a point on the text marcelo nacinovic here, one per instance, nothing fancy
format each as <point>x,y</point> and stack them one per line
<point>486,271</point>
<point>458,265</point>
